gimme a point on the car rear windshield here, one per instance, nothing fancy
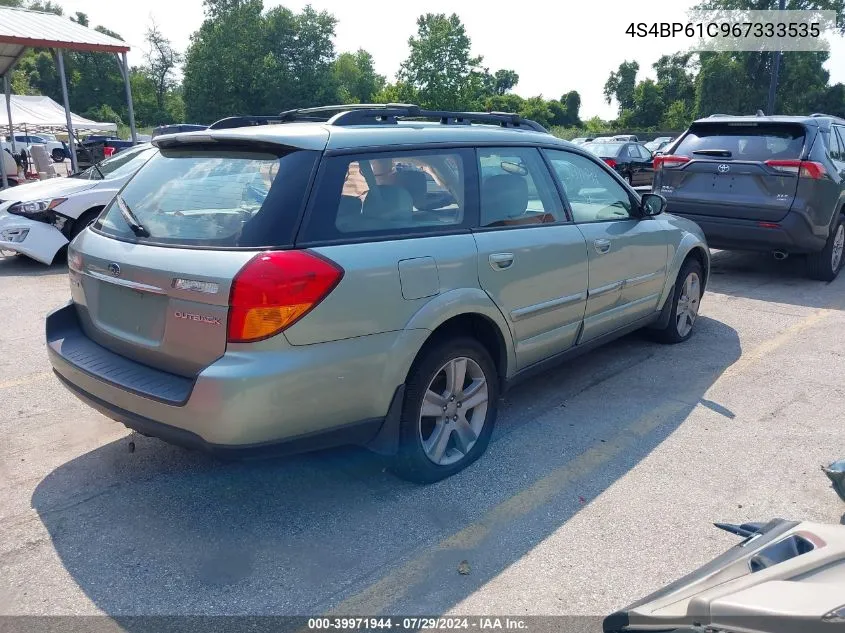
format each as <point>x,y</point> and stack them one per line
<point>605,150</point>
<point>743,141</point>
<point>221,198</point>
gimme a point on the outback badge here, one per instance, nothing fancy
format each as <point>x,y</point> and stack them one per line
<point>201,318</point>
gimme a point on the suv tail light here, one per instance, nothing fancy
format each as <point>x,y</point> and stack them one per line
<point>669,160</point>
<point>276,289</point>
<point>610,161</point>
<point>804,168</point>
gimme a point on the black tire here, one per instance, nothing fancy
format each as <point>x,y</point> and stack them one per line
<point>821,265</point>
<point>672,333</point>
<point>412,462</point>
<point>58,155</point>
<point>85,220</point>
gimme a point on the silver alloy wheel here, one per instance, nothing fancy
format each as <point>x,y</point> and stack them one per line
<point>838,245</point>
<point>453,411</point>
<point>688,304</point>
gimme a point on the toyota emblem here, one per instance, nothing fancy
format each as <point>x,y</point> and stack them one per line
<point>723,168</point>
<point>114,269</point>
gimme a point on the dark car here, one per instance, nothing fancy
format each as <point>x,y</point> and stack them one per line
<point>177,127</point>
<point>631,160</point>
<point>762,183</point>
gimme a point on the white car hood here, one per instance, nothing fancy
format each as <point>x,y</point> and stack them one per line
<point>52,188</point>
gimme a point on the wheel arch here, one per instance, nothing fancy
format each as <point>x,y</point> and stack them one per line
<point>690,246</point>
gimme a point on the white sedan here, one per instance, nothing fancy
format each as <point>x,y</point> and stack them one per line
<point>40,218</point>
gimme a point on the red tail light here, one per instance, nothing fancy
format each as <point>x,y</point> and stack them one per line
<point>276,289</point>
<point>669,160</point>
<point>108,151</point>
<point>804,168</point>
<point>610,161</point>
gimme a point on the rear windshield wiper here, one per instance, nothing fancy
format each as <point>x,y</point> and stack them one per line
<point>131,219</point>
<point>723,153</point>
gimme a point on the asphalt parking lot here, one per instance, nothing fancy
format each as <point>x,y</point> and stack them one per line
<point>601,484</point>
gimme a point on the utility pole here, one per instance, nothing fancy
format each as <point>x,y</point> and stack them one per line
<point>773,84</point>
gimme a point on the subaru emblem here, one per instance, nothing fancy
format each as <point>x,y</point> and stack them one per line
<point>114,269</point>
<point>723,168</point>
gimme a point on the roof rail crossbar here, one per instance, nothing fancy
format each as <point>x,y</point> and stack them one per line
<point>822,114</point>
<point>369,113</point>
<point>386,113</point>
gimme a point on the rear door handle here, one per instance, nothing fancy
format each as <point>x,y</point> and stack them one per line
<point>602,246</point>
<point>501,261</point>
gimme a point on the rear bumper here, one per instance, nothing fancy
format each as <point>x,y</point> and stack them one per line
<point>792,234</point>
<point>38,240</point>
<point>294,398</point>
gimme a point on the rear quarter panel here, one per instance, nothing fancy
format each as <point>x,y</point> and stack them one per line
<point>686,236</point>
<point>370,300</point>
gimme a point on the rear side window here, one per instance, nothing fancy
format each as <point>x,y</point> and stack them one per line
<point>743,141</point>
<point>220,198</point>
<point>837,152</point>
<point>391,194</point>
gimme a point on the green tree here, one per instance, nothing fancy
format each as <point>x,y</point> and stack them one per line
<point>440,67</point>
<point>676,117</point>
<point>504,81</point>
<point>224,62</point>
<point>162,60</point>
<point>620,85</point>
<point>675,79</point>
<point>721,86</point>
<point>647,109</point>
<point>356,78</point>
<point>537,109</point>
<point>504,103</point>
<point>298,69</point>
<point>572,104</point>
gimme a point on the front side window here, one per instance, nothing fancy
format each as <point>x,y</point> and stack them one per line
<point>593,194</point>
<point>516,188</point>
<point>212,197</point>
<point>390,193</point>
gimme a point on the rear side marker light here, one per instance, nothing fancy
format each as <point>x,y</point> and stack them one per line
<point>276,289</point>
<point>669,161</point>
<point>803,168</point>
<point>769,225</point>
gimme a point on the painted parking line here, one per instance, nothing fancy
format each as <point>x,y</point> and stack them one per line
<point>25,380</point>
<point>378,597</point>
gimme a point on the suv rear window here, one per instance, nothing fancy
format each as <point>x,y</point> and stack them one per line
<point>214,198</point>
<point>744,141</point>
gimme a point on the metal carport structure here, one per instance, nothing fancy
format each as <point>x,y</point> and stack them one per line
<point>22,29</point>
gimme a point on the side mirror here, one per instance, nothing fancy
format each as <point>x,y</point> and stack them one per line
<point>652,204</point>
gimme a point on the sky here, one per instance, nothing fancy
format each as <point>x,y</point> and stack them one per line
<point>555,47</point>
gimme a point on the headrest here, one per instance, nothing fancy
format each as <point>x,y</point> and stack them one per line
<point>503,197</point>
<point>388,202</point>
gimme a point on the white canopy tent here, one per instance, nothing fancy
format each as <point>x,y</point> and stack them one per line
<point>40,113</point>
<point>22,29</point>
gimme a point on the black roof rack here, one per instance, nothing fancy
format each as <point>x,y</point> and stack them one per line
<point>375,113</point>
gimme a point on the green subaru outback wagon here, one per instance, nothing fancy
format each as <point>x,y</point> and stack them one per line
<point>373,275</point>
